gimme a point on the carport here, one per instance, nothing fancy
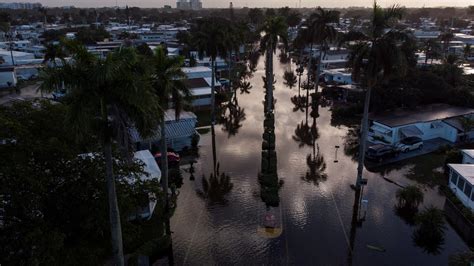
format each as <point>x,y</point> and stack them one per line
<point>410,131</point>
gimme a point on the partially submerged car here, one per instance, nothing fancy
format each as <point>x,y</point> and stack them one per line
<point>410,144</point>
<point>173,159</point>
<point>380,152</point>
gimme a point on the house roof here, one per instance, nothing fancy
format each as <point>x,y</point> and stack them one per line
<point>469,153</point>
<point>150,167</point>
<point>465,170</point>
<point>196,69</point>
<point>195,83</point>
<point>425,113</point>
<point>183,127</point>
<point>454,122</point>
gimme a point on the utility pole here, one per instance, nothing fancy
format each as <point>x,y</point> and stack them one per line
<point>11,47</point>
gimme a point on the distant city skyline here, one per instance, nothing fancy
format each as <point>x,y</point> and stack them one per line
<point>249,3</point>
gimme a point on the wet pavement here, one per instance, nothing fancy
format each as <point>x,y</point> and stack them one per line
<point>222,224</point>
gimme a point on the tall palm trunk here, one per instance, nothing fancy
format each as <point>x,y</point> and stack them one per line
<point>363,137</point>
<point>214,153</point>
<point>299,73</point>
<point>270,78</point>
<point>308,81</point>
<point>164,162</point>
<point>299,84</point>
<point>114,213</point>
<point>318,68</point>
<point>229,68</point>
<point>213,93</point>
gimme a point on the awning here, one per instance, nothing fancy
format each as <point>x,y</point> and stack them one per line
<point>411,131</point>
<point>380,129</point>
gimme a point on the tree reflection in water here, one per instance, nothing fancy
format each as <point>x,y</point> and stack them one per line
<point>299,103</point>
<point>429,234</point>
<point>245,87</point>
<point>290,79</point>
<point>316,167</point>
<point>409,198</point>
<point>231,116</point>
<point>303,134</point>
<point>216,187</point>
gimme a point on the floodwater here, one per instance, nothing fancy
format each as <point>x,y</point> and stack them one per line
<point>315,215</point>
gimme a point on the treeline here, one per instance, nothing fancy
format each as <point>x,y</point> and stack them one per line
<point>443,15</point>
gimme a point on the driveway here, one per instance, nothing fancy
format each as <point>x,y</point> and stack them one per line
<point>429,146</point>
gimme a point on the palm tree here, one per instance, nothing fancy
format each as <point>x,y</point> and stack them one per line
<point>467,51</point>
<point>321,27</point>
<point>432,50</point>
<point>275,29</point>
<point>53,52</point>
<point>409,197</point>
<point>299,43</point>
<point>373,58</point>
<point>106,96</point>
<point>210,38</point>
<point>236,35</point>
<point>170,89</point>
<point>467,125</point>
<point>446,38</point>
<point>430,232</point>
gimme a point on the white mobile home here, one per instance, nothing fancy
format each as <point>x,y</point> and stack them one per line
<point>197,72</point>
<point>201,91</point>
<point>179,132</point>
<point>152,172</point>
<point>461,180</point>
<point>427,122</point>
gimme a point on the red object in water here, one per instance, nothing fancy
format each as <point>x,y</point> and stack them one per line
<point>172,157</point>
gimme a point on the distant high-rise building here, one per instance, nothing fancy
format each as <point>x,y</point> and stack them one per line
<point>192,4</point>
<point>196,4</point>
<point>20,5</point>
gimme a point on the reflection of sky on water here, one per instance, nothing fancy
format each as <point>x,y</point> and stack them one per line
<point>311,215</point>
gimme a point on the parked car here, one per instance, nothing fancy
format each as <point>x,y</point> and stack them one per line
<point>410,144</point>
<point>173,159</point>
<point>380,152</point>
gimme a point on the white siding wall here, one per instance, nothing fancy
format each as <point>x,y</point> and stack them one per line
<point>388,137</point>
<point>431,130</point>
<point>6,77</point>
<point>456,185</point>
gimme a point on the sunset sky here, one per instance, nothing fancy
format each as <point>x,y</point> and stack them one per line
<point>252,3</point>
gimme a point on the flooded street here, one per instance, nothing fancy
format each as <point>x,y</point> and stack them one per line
<point>315,213</point>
